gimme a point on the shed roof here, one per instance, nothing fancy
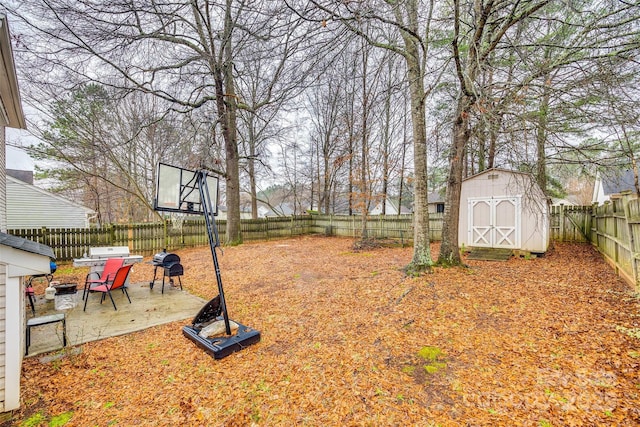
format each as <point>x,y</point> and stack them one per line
<point>436,196</point>
<point>26,245</point>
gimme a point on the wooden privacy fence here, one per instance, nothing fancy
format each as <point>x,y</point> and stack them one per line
<point>615,232</point>
<point>568,223</point>
<point>149,238</point>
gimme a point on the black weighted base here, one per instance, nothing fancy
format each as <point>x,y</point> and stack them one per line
<point>220,347</point>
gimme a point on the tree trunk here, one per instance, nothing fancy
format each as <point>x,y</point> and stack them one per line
<point>251,169</point>
<point>421,260</point>
<point>363,149</point>
<point>449,253</point>
<point>227,112</point>
<point>541,134</point>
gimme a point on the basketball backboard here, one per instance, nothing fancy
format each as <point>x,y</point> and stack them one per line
<point>177,190</point>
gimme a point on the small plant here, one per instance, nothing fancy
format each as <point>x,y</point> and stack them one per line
<point>409,370</point>
<point>632,332</point>
<point>34,420</point>
<point>431,354</point>
<point>61,420</point>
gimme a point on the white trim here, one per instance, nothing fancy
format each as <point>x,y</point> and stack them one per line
<point>491,235</point>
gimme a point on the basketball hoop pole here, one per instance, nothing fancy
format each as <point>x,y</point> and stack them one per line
<point>212,233</point>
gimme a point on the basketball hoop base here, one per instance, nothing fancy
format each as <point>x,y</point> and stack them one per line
<point>220,347</point>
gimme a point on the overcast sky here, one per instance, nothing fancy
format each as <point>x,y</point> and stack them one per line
<point>16,157</point>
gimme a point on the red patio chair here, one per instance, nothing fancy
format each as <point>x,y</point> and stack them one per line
<point>110,268</point>
<point>118,282</point>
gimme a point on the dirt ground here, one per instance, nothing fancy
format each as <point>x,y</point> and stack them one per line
<point>348,340</point>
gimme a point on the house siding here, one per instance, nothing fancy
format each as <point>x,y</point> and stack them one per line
<point>3,180</point>
<point>31,207</point>
<point>3,334</point>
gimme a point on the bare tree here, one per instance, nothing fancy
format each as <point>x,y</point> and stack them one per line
<point>182,52</point>
<point>410,22</point>
<point>481,31</point>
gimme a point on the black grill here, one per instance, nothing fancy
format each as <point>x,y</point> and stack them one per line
<point>165,258</point>
<point>170,264</point>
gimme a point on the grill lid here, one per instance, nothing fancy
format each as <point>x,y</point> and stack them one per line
<point>109,252</point>
<point>164,258</point>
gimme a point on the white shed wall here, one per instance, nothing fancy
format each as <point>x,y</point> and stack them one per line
<point>534,223</point>
<point>32,207</point>
<point>14,265</point>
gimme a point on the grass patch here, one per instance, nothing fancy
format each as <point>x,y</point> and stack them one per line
<point>429,353</point>
<point>60,420</point>
<point>34,420</point>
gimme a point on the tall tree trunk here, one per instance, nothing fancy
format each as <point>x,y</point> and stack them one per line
<point>364,143</point>
<point>541,134</point>
<point>227,112</point>
<point>251,169</point>
<point>449,253</point>
<point>421,259</point>
<point>326,181</point>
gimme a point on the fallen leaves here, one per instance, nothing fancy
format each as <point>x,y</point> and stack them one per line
<point>545,341</point>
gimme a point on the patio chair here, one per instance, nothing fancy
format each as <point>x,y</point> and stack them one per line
<point>119,282</point>
<point>111,266</point>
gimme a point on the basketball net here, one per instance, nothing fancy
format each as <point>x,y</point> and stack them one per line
<point>177,220</point>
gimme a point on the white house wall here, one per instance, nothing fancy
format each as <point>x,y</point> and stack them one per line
<point>534,224</point>
<point>3,179</point>
<point>31,207</point>
<point>3,335</point>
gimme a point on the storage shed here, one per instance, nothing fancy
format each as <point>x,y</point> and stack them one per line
<point>504,209</point>
<point>18,258</point>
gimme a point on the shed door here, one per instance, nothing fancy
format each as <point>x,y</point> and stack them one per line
<point>494,222</point>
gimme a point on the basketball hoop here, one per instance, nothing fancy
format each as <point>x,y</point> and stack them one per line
<point>182,192</point>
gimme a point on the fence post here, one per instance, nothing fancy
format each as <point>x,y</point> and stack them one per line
<point>45,239</point>
<point>630,220</point>
<point>130,241</point>
<point>562,230</point>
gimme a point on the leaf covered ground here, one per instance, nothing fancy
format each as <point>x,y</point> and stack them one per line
<point>348,340</point>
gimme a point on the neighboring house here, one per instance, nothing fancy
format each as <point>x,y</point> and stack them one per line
<point>556,201</point>
<point>612,183</point>
<point>436,202</point>
<point>222,213</point>
<point>283,209</point>
<point>31,207</point>
<point>504,209</point>
<point>390,208</point>
<point>18,257</point>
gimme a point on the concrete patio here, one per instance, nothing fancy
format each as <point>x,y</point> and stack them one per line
<point>149,307</point>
